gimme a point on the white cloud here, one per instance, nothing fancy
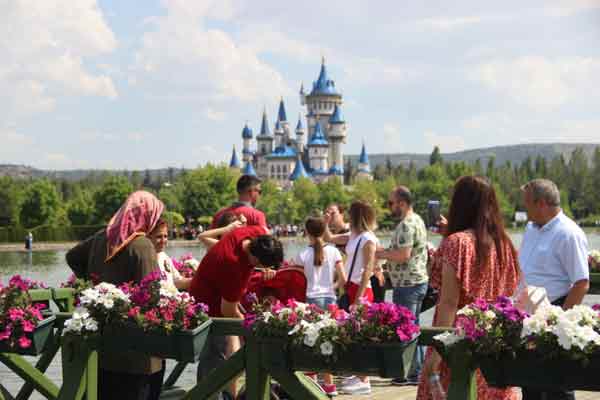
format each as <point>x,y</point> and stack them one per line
<point>538,81</point>
<point>43,45</point>
<point>446,143</point>
<point>566,8</point>
<point>392,138</point>
<point>447,23</point>
<point>214,115</point>
<point>181,56</point>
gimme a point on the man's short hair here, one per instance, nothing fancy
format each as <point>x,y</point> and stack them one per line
<point>402,193</point>
<point>246,182</point>
<point>268,250</point>
<point>543,189</point>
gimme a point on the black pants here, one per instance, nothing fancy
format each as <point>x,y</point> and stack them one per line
<point>120,385</point>
<point>536,394</point>
<point>378,290</point>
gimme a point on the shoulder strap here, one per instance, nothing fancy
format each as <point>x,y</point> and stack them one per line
<point>353,261</point>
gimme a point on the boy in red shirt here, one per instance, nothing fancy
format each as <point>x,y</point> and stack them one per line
<point>222,279</point>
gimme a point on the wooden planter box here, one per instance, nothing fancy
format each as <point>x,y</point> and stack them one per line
<point>38,337</point>
<point>387,360</point>
<point>531,370</point>
<point>182,346</point>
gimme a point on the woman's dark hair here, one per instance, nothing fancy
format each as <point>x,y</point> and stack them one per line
<point>246,182</point>
<point>474,206</point>
<point>268,250</point>
<point>315,227</point>
<point>225,219</point>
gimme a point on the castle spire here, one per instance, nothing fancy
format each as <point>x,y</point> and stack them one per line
<point>281,116</point>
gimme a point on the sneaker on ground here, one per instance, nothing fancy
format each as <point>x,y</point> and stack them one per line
<point>357,388</point>
<point>351,380</point>
<point>330,390</point>
<point>405,382</point>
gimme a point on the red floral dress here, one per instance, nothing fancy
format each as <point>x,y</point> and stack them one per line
<point>493,280</point>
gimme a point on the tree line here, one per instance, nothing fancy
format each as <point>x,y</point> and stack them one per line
<point>195,195</point>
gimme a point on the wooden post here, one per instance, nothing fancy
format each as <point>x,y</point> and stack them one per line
<point>218,378</point>
<point>258,383</point>
<point>30,374</point>
<point>78,355</point>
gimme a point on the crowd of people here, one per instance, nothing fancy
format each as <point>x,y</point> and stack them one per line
<point>476,259</point>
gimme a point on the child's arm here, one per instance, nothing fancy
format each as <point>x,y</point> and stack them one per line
<point>210,237</point>
<point>341,275</point>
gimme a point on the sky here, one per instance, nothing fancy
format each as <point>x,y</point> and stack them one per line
<point>130,84</point>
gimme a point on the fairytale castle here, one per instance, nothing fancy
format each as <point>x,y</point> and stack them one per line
<point>314,151</point>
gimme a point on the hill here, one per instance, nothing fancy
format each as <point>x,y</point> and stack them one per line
<point>516,154</point>
<point>513,153</point>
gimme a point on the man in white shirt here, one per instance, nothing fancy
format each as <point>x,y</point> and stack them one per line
<point>553,255</point>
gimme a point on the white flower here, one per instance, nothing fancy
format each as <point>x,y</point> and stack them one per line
<point>449,338</point>
<point>326,348</point>
<point>91,325</point>
<point>489,314</point>
<point>192,263</point>
<point>267,316</point>
<point>167,289</point>
<point>310,336</point>
<point>466,311</point>
<point>595,254</point>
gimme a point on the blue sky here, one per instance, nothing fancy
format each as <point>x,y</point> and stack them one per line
<point>149,84</point>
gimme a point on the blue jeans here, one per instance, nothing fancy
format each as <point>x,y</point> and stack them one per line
<point>321,302</point>
<point>412,297</point>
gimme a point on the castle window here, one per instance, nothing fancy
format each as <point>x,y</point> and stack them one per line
<point>279,169</point>
<point>263,149</point>
<point>285,169</point>
<point>272,170</point>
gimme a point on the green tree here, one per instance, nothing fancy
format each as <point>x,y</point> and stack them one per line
<point>10,199</point>
<point>306,193</point>
<point>333,191</point>
<point>80,210</point>
<point>578,175</point>
<point>207,189</point>
<point>433,185</point>
<point>171,196</point>
<point>41,203</point>
<point>436,156</point>
<point>109,198</point>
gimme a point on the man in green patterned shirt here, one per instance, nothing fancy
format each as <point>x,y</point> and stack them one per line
<point>407,264</point>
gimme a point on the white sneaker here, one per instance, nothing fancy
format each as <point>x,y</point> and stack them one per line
<point>350,380</point>
<point>357,388</point>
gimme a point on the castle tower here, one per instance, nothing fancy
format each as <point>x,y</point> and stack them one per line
<point>279,134</point>
<point>235,162</point>
<point>300,136</point>
<point>364,169</point>
<point>247,137</point>
<point>249,169</point>
<point>299,170</point>
<point>318,149</point>
<point>322,99</point>
<point>336,137</point>
<point>264,140</point>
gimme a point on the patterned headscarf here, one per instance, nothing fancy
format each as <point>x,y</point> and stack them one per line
<point>136,217</point>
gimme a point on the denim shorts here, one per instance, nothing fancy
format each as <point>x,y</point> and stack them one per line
<point>321,302</point>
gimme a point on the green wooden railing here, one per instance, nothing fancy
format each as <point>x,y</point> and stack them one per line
<point>80,365</point>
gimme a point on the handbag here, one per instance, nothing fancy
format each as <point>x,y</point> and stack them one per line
<point>344,300</point>
<point>431,297</point>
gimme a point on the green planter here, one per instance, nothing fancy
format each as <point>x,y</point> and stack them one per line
<point>38,337</point>
<point>388,360</point>
<point>183,346</point>
<point>531,370</point>
<point>594,283</point>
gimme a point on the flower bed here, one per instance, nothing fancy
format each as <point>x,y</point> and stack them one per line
<point>186,265</point>
<point>377,338</point>
<point>23,329</point>
<point>151,317</point>
<point>552,349</point>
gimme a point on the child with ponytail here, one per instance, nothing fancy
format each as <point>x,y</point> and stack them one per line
<point>321,263</point>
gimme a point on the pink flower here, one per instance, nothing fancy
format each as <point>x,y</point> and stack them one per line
<point>15,314</point>
<point>6,333</point>
<point>28,326</point>
<point>24,342</point>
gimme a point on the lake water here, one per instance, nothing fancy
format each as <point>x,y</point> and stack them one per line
<point>50,267</point>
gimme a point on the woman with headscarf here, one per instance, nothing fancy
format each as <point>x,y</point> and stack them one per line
<point>123,253</point>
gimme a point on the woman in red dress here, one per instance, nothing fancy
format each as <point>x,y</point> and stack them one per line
<point>476,259</point>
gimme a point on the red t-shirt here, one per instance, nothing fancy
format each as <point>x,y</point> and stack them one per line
<point>224,271</point>
<point>253,216</point>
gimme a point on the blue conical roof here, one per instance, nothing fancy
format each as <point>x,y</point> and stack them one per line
<point>264,126</point>
<point>318,139</point>
<point>281,113</point>
<point>278,126</point>
<point>299,171</point>
<point>336,117</point>
<point>235,162</point>
<point>249,169</point>
<point>246,132</point>
<point>364,158</point>
<point>324,85</point>
<point>336,170</point>
<point>299,126</point>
